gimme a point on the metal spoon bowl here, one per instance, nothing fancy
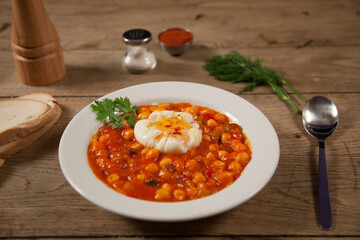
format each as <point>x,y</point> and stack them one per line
<point>320,119</point>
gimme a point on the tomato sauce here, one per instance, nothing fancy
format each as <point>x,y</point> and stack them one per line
<point>125,165</point>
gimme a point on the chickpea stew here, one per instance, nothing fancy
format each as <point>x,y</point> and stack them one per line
<point>127,166</point>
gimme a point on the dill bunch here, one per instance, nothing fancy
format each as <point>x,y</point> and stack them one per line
<point>236,68</point>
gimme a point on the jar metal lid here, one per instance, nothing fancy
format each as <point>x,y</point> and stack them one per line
<point>137,36</point>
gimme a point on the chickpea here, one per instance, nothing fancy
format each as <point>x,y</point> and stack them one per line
<point>165,174</point>
<point>211,123</point>
<point>141,176</point>
<point>199,177</point>
<point>179,195</point>
<point>143,115</point>
<point>219,164</point>
<point>127,186</point>
<point>206,137</point>
<point>101,162</point>
<point>191,191</point>
<point>119,157</point>
<point>179,164</point>
<point>207,130</point>
<point>165,162</point>
<point>214,147</point>
<point>152,167</point>
<point>102,153</point>
<point>210,156</point>
<point>166,186</point>
<point>166,105</point>
<point>153,154</point>
<point>238,146</point>
<point>206,111</point>
<point>243,158</point>
<point>143,109</point>
<point>104,138</point>
<point>215,135</point>
<point>236,133</point>
<point>225,177</point>
<point>136,146</point>
<point>191,152</point>
<point>221,118</point>
<point>234,166</point>
<point>211,183</point>
<point>222,154</point>
<point>128,134</point>
<point>203,192</point>
<point>112,178</point>
<point>225,137</point>
<point>162,194</point>
<point>201,185</point>
<point>193,110</point>
<point>188,174</point>
<point>192,165</point>
<point>97,146</point>
<point>144,151</point>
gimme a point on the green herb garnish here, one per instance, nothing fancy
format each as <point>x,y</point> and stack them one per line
<point>236,68</point>
<point>115,111</point>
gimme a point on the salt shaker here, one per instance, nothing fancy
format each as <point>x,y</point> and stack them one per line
<point>138,58</point>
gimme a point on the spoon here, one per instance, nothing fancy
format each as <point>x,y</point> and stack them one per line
<point>320,119</point>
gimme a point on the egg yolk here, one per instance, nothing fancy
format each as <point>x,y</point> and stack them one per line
<point>172,124</point>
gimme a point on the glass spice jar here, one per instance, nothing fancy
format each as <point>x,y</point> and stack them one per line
<point>138,58</point>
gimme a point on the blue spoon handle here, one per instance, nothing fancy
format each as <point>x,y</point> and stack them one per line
<point>325,215</point>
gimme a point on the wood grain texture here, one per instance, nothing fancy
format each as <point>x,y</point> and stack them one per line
<point>91,39</point>
<point>95,73</point>
<point>34,193</point>
<point>315,43</point>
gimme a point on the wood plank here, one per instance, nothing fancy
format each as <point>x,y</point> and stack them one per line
<point>303,39</point>
<point>216,24</point>
<point>37,201</point>
<point>225,237</point>
<point>96,73</point>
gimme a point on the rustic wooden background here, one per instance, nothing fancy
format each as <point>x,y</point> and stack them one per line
<point>315,43</point>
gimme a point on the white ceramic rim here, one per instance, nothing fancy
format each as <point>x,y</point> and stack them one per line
<point>264,141</point>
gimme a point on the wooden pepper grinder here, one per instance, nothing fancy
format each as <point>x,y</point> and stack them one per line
<point>35,44</point>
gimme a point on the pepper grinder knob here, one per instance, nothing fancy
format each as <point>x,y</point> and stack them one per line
<point>35,44</point>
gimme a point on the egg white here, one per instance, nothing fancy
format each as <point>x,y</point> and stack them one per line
<point>180,134</point>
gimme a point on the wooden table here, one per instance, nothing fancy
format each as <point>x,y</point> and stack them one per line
<point>315,43</point>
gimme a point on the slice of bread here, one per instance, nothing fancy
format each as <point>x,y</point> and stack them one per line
<point>11,148</point>
<point>22,116</point>
<point>25,133</point>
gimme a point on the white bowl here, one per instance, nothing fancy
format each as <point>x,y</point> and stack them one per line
<point>262,136</point>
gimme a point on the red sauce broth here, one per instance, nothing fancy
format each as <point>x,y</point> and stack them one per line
<point>126,166</point>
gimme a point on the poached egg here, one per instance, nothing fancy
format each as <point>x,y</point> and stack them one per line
<point>168,131</point>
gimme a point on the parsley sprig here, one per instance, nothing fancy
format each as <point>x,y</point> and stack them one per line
<point>115,111</point>
<point>236,68</point>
